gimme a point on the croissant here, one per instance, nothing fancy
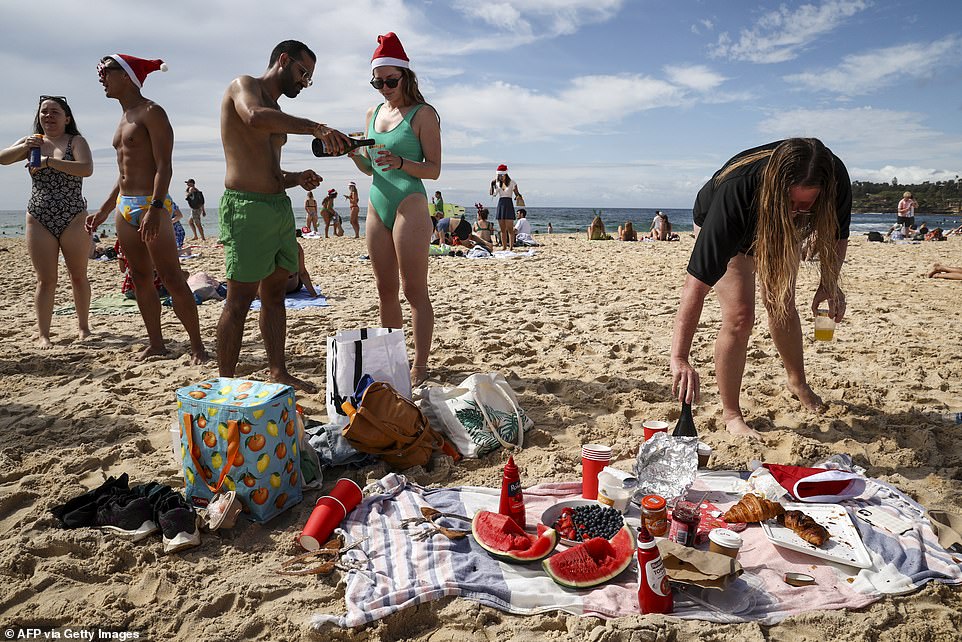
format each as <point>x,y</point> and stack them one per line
<point>753,508</point>
<point>804,526</point>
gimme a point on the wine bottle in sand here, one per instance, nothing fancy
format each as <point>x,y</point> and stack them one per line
<point>686,423</point>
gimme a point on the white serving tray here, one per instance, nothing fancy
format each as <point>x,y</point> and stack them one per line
<point>843,546</point>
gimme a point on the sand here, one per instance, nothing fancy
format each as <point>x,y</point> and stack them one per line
<point>581,331</point>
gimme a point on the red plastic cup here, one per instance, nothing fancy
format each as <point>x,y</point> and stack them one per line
<point>348,493</point>
<point>594,457</point>
<point>326,516</point>
<point>653,427</point>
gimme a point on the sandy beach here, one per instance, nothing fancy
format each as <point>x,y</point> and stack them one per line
<point>581,331</point>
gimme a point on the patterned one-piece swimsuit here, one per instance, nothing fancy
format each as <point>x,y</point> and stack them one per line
<point>56,198</point>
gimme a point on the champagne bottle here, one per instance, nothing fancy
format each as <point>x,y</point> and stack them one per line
<point>686,423</point>
<point>317,146</point>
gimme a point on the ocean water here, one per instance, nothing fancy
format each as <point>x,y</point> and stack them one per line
<point>564,220</point>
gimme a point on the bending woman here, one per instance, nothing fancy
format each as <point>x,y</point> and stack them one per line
<point>53,225</point>
<point>398,228</point>
<point>752,217</point>
<point>502,186</point>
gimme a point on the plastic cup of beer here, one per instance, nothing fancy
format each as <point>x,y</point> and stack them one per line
<point>824,325</point>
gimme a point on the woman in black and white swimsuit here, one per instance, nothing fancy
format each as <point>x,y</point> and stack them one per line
<point>53,225</point>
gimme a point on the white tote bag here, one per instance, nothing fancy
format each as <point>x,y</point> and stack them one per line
<point>478,416</point>
<point>351,354</point>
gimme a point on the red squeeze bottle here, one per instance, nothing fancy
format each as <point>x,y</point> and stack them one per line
<point>654,592</point>
<point>512,500</point>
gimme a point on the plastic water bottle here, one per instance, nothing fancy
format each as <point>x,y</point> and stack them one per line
<point>954,417</point>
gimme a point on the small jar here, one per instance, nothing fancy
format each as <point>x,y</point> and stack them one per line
<point>654,515</point>
<point>684,523</point>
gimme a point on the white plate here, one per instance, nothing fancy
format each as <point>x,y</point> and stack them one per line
<point>843,546</point>
<point>551,515</point>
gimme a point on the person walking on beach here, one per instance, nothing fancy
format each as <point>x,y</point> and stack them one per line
<point>144,142</point>
<point>906,217</point>
<point>751,218</point>
<point>503,187</point>
<point>53,225</point>
<point>257,219</point>
<point>195,200</point>
<point>352,201</point>
<point>310,206</point>
<point>407,132</point>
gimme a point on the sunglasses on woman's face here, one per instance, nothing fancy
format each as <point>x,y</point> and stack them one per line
<point>378,83</point>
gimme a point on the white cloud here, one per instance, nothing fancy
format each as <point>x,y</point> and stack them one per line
<point>865,135</point>
<point>912,174</point>
<point>782,34</point>
<point>529,20</point>
<point>503,110</point>
<point>697,77</point>
<point>870,71</point>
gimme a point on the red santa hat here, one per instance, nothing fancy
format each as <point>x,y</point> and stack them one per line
<point>138,68</point>
<point>502,169</point>
<point>332,192</point>
<point>389,53</point>
<point>817,484</point>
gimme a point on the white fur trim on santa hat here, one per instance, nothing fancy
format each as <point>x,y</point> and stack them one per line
<point>128,69</point>
<point>390,62</point>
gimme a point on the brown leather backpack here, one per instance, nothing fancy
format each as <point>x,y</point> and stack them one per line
<point>390,427</point>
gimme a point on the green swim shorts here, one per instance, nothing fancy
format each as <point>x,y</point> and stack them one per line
<point>257,231</point>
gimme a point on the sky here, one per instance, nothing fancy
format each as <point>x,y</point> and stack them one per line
<point>590,103</point>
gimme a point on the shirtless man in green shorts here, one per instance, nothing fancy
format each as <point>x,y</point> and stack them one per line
<point>256,217</point>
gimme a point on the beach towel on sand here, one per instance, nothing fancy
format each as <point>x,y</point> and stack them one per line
<point>403,573</point>
<point>298,301</point>
<point>108,304</point>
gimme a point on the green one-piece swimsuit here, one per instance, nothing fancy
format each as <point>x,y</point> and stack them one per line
<point>391,186</point>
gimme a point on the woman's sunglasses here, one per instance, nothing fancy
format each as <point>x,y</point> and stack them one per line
<point>378,83</point>
<point>45,97</point>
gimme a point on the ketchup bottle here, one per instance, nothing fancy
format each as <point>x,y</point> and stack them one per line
<point>512,500</point>
<point>654,592</point>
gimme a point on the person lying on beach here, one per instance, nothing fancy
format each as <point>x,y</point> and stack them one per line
<point>939,271</point>
<point>301,278</point>
<point>457,231</point>
<point>935,235</point>
<point>750,220</point>
<point>596,231</point>
<point>627,233</point>
<point>955,232</point>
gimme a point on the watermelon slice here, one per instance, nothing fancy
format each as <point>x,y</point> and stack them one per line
<point>501,536</point>
<point>593,562</point>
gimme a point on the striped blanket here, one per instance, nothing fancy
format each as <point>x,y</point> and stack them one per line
<point>401,572</point>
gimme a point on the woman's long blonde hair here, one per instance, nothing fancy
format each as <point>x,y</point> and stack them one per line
<point>796,162</point>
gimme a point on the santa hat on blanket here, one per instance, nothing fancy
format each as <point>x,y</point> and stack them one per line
<point>389,53</point>
<point>138,68</point>
<point>502,169</point>
<point>818,484</point>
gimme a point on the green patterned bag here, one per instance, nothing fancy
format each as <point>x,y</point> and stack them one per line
<point>480,415</point>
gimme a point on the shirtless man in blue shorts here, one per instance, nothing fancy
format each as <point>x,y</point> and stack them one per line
<point>144,142</point>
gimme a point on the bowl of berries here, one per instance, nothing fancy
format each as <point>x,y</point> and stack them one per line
<point>578,520</point>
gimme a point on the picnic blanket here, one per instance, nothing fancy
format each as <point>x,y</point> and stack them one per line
<point>115,303</point>
<point>298,301</point>
<point>400,572</point>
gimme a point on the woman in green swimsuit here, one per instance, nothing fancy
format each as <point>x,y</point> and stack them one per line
<point>407,135</point>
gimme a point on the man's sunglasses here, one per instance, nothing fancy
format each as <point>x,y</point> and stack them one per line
<point>378,83</point>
